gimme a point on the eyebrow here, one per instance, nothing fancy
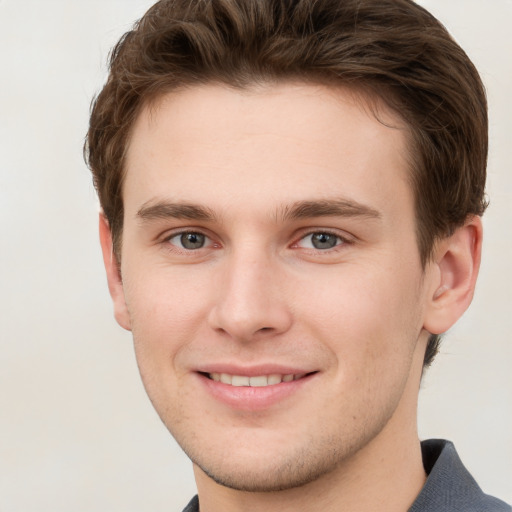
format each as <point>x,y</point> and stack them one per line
<point>169,210</point>
<point>327,208</point>
<point>299,210</point>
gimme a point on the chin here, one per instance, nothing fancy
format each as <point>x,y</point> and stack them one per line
<point>278,476</point>
<point>256,467</point>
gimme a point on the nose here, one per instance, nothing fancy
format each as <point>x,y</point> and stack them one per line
<point>250,302</point>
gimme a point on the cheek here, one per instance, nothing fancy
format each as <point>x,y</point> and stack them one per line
<point>167,309</point>
<point>371,329</point>
<point>369,317</point>
<point>166,314</point>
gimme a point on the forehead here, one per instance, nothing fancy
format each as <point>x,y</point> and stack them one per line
<point>279,143</point>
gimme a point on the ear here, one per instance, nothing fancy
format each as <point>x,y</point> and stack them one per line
<point>115,283</point>
<point>455,269</point>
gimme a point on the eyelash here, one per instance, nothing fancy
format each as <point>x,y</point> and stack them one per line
<point>341,241</point>
<point>167,240</point>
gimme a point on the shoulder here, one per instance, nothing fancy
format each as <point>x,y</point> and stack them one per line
<point>449,486</point>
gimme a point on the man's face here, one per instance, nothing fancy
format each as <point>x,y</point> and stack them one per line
<point>269,235</point>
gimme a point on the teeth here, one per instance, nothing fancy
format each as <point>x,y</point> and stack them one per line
<point>274,379</point>
<point>257,381</point>
<point>225,378</point>
<point>238,380</point>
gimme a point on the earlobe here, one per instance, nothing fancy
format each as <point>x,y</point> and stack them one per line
<point>456,264</point>
<point>115,283</point>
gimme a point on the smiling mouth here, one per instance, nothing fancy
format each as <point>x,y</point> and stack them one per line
<point>257,381</point>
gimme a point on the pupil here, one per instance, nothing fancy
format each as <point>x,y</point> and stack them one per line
<point>192,240</point>
<point>323,241</point>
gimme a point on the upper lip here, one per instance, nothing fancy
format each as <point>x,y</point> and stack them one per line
<point>254,370</point>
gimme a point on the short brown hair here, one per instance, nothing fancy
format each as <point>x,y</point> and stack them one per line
<point>393,49</point>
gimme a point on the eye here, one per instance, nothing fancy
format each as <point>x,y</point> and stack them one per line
<point>189,240</point>
<point>320,240</point>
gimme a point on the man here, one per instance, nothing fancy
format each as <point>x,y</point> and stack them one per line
<point>291,196</point>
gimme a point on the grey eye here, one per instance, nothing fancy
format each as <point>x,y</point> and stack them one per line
<point>192,240</point>
<point>324,240</point>
<point>321,240</point>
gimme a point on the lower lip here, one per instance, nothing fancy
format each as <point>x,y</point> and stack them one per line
<point>249,398</point>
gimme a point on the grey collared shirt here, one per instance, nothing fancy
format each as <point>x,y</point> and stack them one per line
<point>449,486</point>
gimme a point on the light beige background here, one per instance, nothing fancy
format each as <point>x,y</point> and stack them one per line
<point>77,432</point>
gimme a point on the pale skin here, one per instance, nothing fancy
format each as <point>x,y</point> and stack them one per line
<point>272,231</point>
